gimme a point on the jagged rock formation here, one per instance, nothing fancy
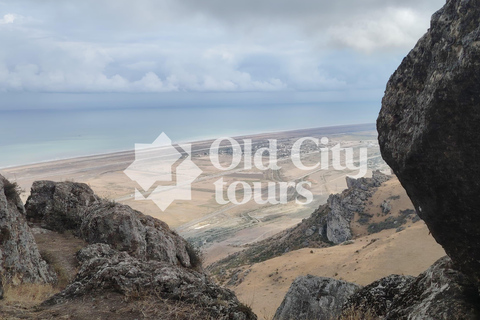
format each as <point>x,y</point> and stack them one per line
<point>343,206</point>
<point>312,298</point>
<point>20,261</point>
<point>74,206</point>
<point>131,254</point>
<point>59,206</point>
<point>429,130</point>
<point>104,270</point>
<point>441,292</point>
<point>142,236</point>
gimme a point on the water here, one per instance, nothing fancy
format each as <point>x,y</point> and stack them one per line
<point>35,136</point>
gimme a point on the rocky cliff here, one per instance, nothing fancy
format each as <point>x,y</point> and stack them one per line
<point>429,130</point>
<point>20,260</point>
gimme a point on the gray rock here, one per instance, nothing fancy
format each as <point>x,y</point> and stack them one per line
<point>142,236</point>
<point>20,261</point>
<point>59,206</point>
<point>429,130</point>
<point>377,298</point>
<point>104,270</point>
<point>441,292</point>
<point>343,206</point>
<point>314,298</point>
<point>386,207</point>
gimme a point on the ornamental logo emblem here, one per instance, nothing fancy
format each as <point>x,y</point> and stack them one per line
<point>155,163</point>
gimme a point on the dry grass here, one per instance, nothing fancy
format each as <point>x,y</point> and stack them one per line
<point>28,294</point>
<point>62,274</point>
<point>353,314</point>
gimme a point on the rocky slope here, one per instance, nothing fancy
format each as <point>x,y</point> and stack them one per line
<point>429,133</point>
<point>20,260</point>
<point>441,292</point>
<point>329,225</point>
<point>131,258</point>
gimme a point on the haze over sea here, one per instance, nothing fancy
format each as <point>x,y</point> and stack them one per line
<point>31,136</point>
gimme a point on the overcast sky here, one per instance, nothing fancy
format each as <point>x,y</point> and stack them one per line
<point>319,51</point>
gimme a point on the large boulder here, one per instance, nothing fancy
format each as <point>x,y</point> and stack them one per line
<point>429,130</point>
<point>59,206</point>
<point>142,236</point>
<point>104,270</point>
<point>313,298</point>
<point>20,260</point>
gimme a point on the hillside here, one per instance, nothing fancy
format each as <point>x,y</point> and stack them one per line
<point>387,237</point>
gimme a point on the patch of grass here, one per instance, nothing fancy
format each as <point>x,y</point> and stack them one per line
<point>62,274</point>
<point>394,197</point>
<point>11,190</point>
<point>28,294</point>
<point>364,218</point>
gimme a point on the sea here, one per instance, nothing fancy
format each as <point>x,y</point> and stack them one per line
<point>32,136</point>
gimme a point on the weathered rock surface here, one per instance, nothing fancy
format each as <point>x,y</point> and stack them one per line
<point>343,206</point>
<point>143,237</point>
<point>377,298</point>
<point>313,298</point>
<point>429,130</point>
<point>441,292</point>
<point>74,206</point>
<point>104,270</point>
<point>59,206</point>
<point>20,261</point>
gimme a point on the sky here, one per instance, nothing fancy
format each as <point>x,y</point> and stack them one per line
<point>172,53</point>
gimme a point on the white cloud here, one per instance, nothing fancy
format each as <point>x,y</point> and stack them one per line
<point>211,45</point>
<point>389,28</point>
<point>8,18</point>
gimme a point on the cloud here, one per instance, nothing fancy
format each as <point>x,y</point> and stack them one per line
<point>8,18</point>
<point>205,46</point>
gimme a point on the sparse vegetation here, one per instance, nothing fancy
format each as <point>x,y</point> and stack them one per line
<point>62,274</point>
<point>28,294</point>
<point>11,190</point>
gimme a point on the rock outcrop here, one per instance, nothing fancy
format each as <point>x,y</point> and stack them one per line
<point>143,237</point>
<point>130,254</point>
<point>73,206</point>
<point>59,206</point>
<point>313,298</point>
<point>377,298</point>
<point>20,260</point>
<point>105,270</point>
<point>441,292</point>
<point>429,130</point>
<point>343,206</point>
